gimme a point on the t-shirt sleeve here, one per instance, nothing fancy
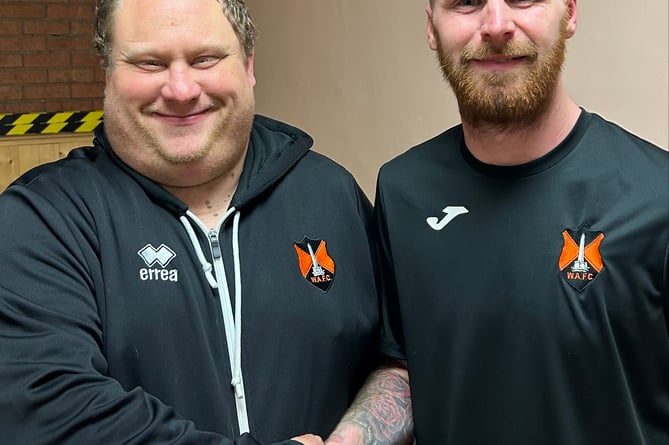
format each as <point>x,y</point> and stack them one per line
<point>391,341</point>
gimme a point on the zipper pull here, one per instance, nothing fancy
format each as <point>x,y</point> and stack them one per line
<point>237,385</point>
<point>215,245</point>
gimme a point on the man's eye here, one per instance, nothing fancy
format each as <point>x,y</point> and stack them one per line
<point>206,61</point>
<point>522,3</point>
<point>467,3</point>
<point>150,65</point>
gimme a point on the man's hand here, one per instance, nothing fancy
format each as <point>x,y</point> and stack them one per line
<point>346,435</point>
<point>309,439</point>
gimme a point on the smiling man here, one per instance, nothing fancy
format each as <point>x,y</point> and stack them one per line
<point>179,98</point>
<point>525,252</point>
<point>199,275</point>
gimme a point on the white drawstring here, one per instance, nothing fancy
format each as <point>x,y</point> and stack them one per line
<point>237,373</point>
<point>206,265</point>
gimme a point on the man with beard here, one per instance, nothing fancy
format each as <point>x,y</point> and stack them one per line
<point>198,275</point>
<point>525,252</point>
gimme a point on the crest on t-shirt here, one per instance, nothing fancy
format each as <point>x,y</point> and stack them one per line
<point>580,261</point>
<point>316,265</point>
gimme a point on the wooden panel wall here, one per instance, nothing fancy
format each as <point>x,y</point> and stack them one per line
<point>18,154</point>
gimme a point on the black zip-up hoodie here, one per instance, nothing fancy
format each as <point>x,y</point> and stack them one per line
<point>124,320</point>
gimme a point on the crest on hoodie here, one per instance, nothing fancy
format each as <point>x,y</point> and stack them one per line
<point>316,265</point>
<point>580,260</point>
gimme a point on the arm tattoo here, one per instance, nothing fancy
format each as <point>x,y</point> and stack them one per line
<point>381,412</point>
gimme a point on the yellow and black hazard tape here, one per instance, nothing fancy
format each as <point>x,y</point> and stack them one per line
<point>49,123</point>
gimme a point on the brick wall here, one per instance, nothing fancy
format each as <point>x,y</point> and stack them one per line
<point>47,61</point>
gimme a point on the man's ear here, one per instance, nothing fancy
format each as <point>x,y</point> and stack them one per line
<point>431,36</point>
<point>572,18</point>
<point>249,70</point>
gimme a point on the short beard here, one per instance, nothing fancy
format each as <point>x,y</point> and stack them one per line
<point>491,101</point>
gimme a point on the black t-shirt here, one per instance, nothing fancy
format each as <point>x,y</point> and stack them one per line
<point>531,301</point>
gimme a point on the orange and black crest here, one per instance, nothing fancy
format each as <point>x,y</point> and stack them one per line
<point>580,261</point>
<point>316,266</point>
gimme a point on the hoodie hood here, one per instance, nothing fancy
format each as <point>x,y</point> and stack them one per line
<point>274,148</point>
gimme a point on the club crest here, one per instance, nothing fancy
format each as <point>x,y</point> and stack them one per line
<point>316,266</point>
<point>580,261</point>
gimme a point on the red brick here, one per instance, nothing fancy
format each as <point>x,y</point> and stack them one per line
<point>22,76</point>
<point>58,43</point>
<point>97,103</point>
<point>70,11</point>
<point>47,62</point>
<point>23,43</point>
<point>10,27</point>
<point>22,106</point>
<point>59,59</point>
<point>58,105</point>
<point>100,75</point>
<point>44,27</point>
<point>11,93</point>
<point>10,60</point>
<point>82,28</point>
<point>90,90</point>
<point>71,75</point>
<point>87,59</point>
<point>46,91</point>
<point>18,10</point>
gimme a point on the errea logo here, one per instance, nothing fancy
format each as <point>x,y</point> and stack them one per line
<point>162,256</point>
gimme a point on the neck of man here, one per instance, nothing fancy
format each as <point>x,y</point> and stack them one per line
<point>521,144</point>
<point>210,200</point>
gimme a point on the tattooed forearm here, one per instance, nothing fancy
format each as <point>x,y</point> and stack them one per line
<point>381,413</point>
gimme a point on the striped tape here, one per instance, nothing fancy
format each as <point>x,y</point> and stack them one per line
<point>49,123</point>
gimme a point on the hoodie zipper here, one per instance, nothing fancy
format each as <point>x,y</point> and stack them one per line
<point>229,322</point>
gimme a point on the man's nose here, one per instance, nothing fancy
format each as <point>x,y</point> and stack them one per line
<point>181,84</point>
<point>498,25</point>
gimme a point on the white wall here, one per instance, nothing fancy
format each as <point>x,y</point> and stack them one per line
<point>358,75</point>
<point>617,64</point>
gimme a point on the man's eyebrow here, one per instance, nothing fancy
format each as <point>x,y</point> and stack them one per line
<point>141,49</point>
